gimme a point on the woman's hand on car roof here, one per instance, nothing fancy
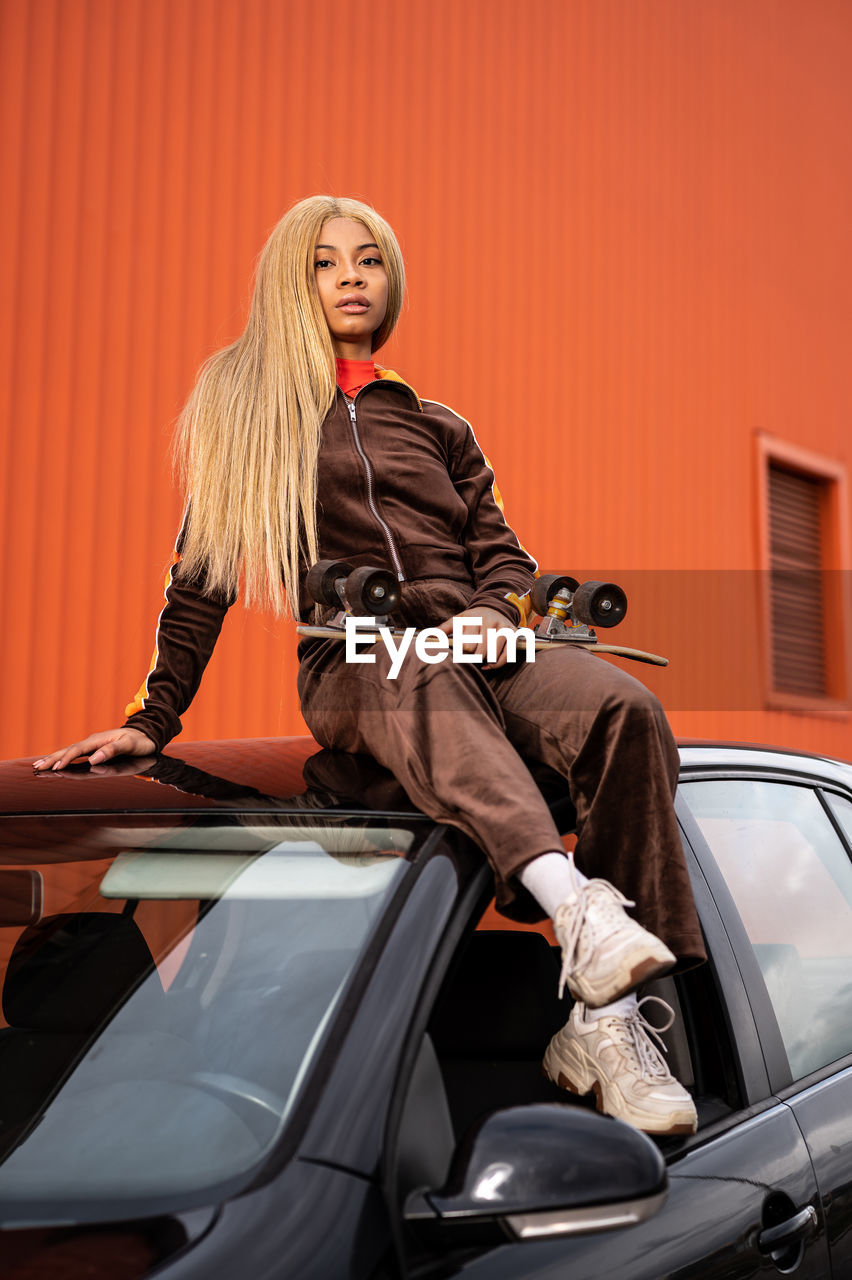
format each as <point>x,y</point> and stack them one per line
<point>99,747</point>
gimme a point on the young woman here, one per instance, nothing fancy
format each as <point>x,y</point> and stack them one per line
<point>296,446</point>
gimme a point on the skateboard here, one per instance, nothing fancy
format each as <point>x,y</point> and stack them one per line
<point>568,610</point>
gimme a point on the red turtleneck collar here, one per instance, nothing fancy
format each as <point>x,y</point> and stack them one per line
<point>352,375</point>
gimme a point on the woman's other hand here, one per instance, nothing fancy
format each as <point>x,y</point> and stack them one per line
<point>99,747</point>
<point>489,620</point>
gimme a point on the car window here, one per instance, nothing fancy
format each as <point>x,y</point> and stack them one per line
<point>791,880</point>
<point>164,993</point>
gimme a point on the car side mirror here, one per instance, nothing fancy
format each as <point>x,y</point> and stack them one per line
<point>546,1170</point>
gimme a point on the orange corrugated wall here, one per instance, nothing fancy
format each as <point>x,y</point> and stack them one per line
<point>626,224</point>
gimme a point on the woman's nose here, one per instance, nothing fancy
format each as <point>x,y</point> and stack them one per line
<point>348,274</point>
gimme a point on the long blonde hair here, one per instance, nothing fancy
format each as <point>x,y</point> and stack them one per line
<point>249,435</point>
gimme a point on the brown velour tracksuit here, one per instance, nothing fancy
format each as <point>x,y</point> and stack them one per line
<point>403,483</point>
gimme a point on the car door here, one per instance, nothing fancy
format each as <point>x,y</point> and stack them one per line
<point>744,1175</point>
<point>782,876</point>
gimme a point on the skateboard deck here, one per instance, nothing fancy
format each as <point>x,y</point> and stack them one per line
<point>328,632</point>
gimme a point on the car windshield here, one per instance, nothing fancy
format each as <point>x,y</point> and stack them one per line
<point>166,986</point>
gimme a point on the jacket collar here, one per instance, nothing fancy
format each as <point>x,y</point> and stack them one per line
<point>388,375</point>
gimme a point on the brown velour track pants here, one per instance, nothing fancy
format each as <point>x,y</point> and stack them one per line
<point>452,735</point>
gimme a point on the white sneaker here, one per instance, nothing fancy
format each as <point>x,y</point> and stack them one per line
<point>616,1058</point>
<point>605,954</point>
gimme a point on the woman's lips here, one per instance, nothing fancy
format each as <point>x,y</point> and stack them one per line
<point>353,306</point>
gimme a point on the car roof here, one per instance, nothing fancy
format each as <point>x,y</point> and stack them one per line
<point>270,772</point>
<point>699,758</point>
<point>191,775</point>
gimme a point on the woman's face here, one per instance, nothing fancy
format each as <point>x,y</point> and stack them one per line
<point>352,284</point>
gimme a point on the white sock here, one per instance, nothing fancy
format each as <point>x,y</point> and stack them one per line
<point>552,878</point>
<point>618,1009</point>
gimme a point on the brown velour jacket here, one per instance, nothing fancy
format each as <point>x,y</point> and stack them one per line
<point>401,483</point>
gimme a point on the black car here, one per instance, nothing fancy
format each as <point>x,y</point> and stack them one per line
<point>259,1021</point>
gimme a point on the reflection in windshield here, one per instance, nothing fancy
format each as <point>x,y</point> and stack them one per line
<point>158,1032</point>
<point>332,779</point>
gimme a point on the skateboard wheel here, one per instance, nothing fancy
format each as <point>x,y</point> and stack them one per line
<point>371,591</point>
<point>545,588</point>
<point>599,604</point>
<point>321,579</point>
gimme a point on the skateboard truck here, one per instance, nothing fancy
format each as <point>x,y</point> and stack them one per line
<point>363,591</point>
<point>570,611</point>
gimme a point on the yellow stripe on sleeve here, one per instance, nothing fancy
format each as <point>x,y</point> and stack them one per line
<point>138,703</point>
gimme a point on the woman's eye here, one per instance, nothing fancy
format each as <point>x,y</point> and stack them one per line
<point>323,262</point>
<point>371,262</point>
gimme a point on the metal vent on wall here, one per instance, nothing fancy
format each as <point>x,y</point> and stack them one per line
<point>796,590</point>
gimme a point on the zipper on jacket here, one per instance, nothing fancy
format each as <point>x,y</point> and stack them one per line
<point>371,502</point>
